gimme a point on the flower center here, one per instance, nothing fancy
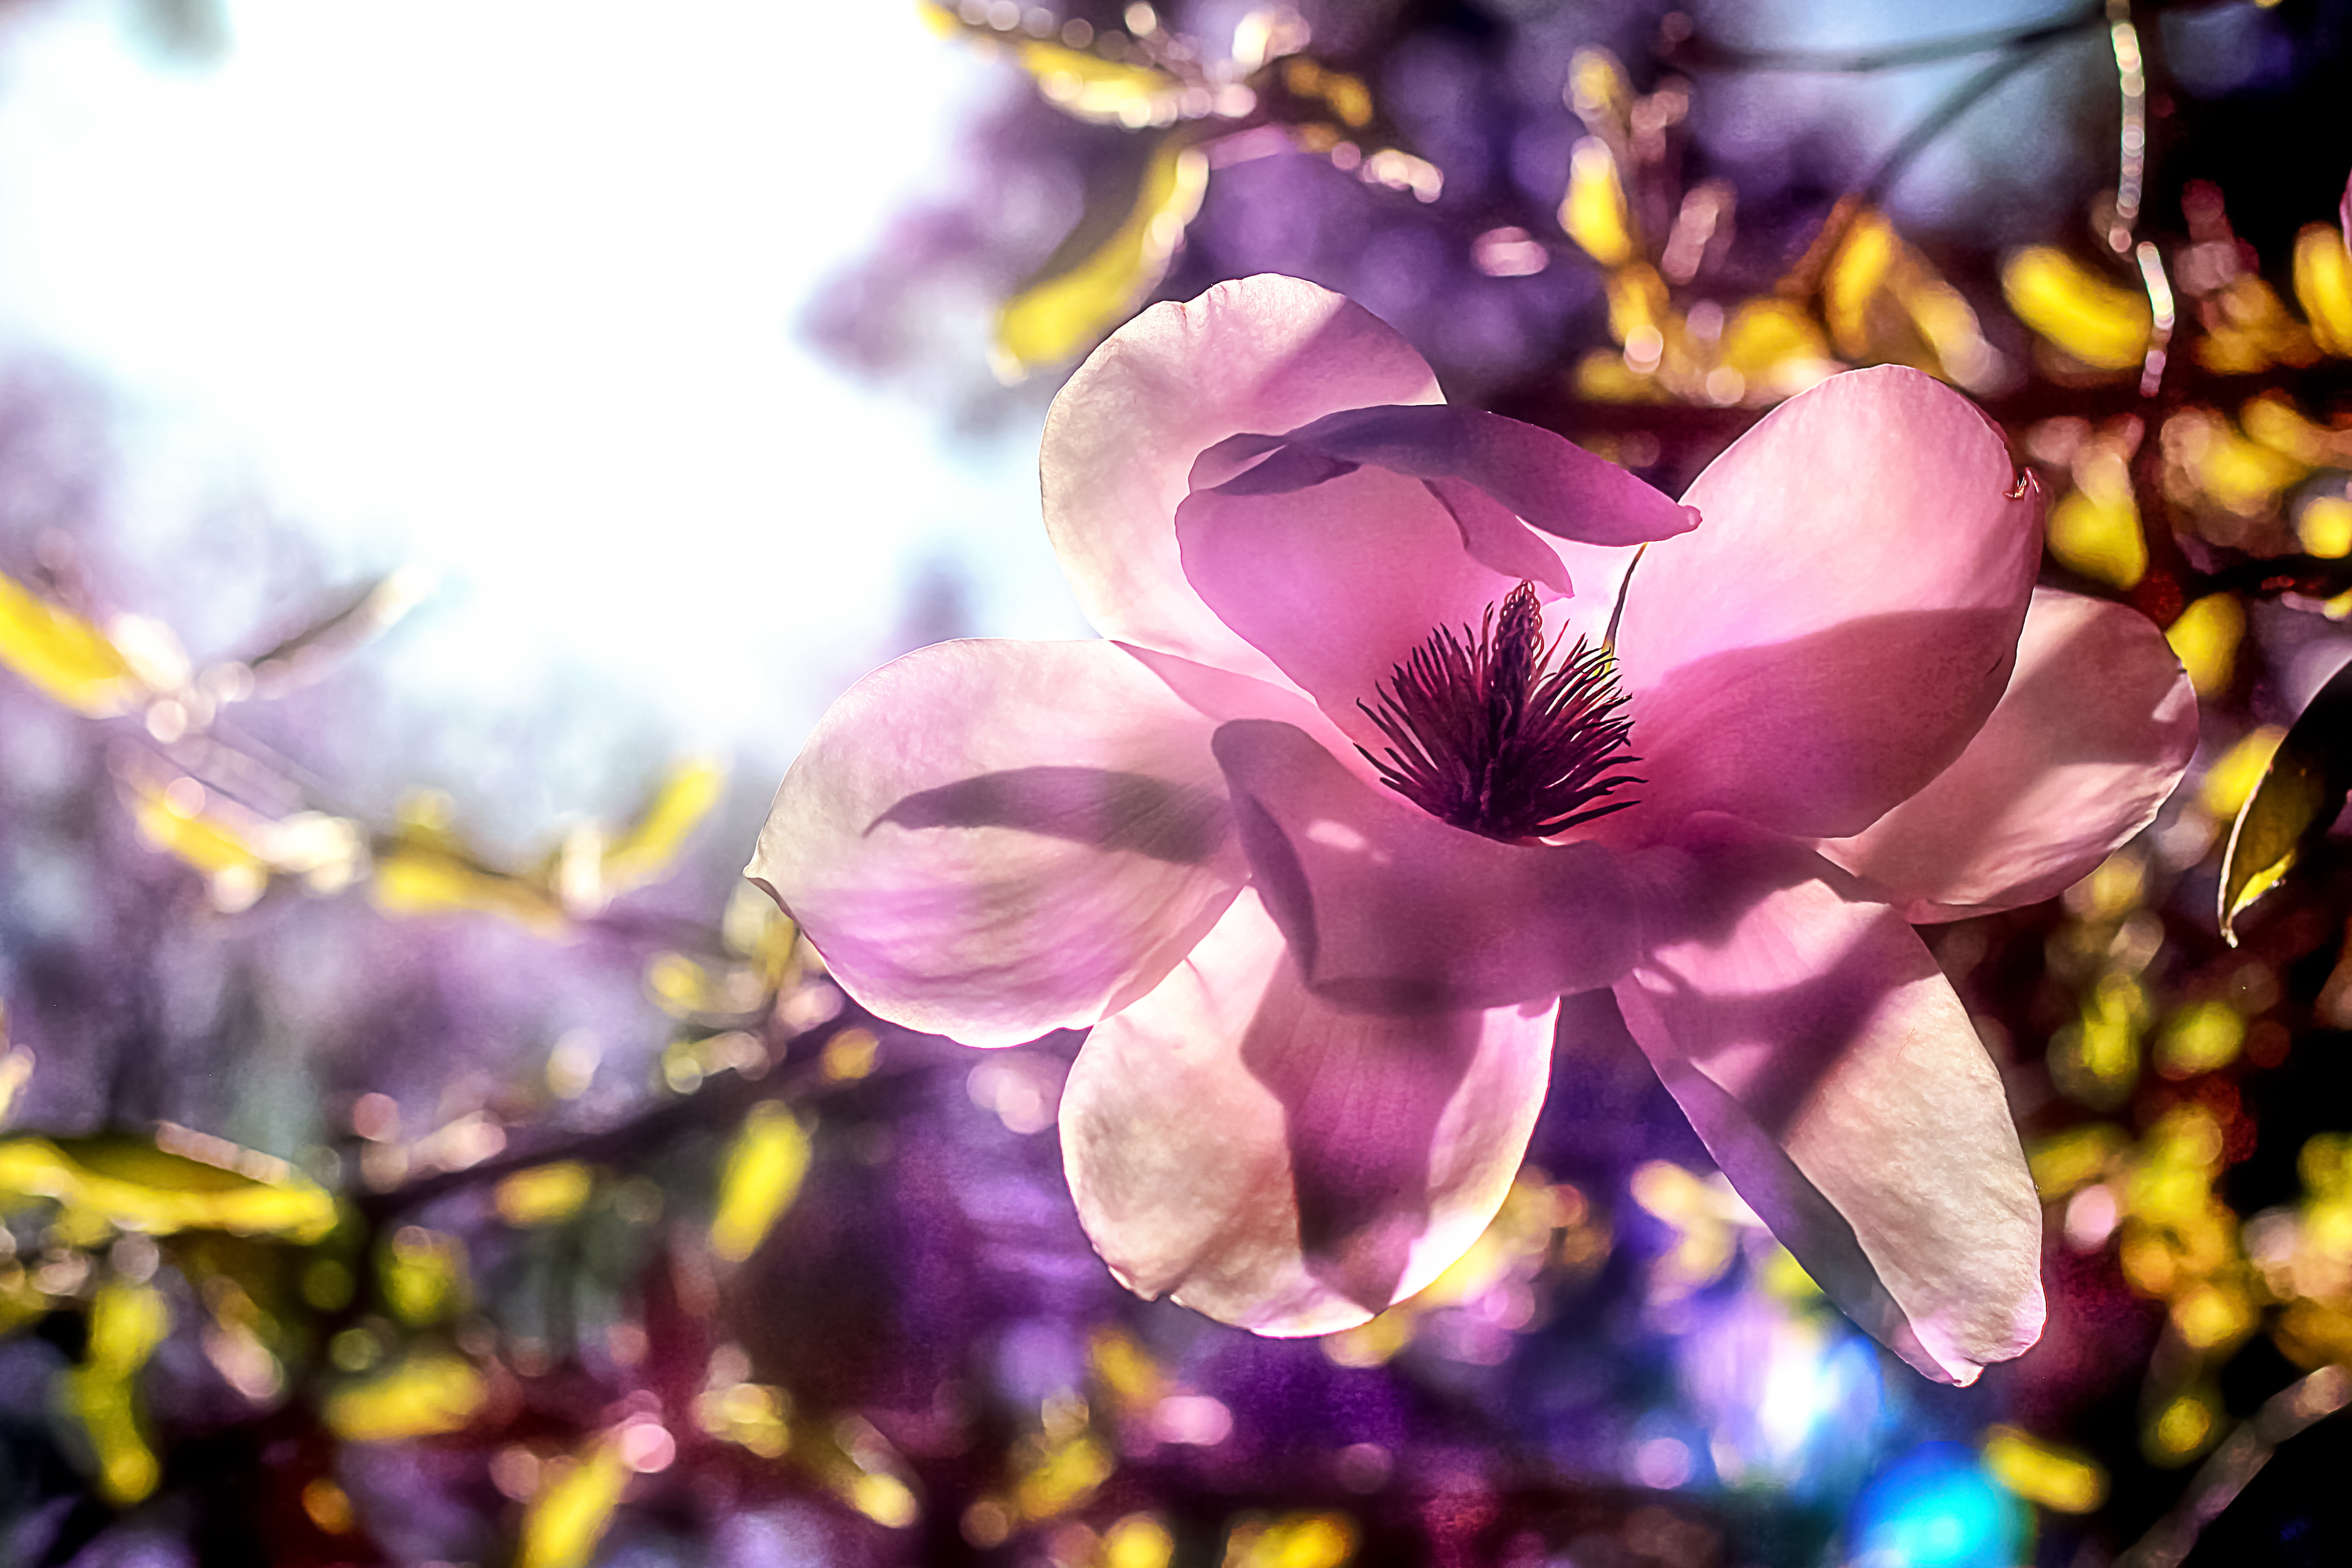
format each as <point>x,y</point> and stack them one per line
<point>1493,733</point>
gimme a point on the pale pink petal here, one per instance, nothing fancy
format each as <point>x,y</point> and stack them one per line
<point>1838,1083</point>
<point>2095,730</point>
<point>1386,908</point>
<point>1221,695</point>
<point>1262,354</point>
<point>1543,477</point>
<point>993,839</point>
<point>1237,1143</point>
<point>1339,584</point>
<point>1834,634</point>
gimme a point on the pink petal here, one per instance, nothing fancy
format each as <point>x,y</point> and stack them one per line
<point>1339,584</point>
<point>1490,532</point>
<point>1335,583</point>
<point>1386,908</point>
<point>1837,1081</point>
<point>2095,727</point>
<point>1237,1143</point>
<point>1221,695</point>
<point>1498,540</point>
<point>1834,636</point>
<point>995,839</point>
<point>1263,355</point>
<point>1543,477</point>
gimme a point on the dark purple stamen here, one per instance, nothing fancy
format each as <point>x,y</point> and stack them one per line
<point>1492,735</point>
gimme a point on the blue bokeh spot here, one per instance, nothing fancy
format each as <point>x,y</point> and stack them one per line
<point>1937,1508</point>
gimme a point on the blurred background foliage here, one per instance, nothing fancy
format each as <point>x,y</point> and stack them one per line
<point>379,1188</point>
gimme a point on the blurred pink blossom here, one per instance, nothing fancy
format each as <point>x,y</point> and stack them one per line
<point>1359,784</point>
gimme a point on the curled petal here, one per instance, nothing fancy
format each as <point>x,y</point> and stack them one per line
<point>2097,725</point>
<point>1499,541</point>
<point>1264,353</point>
<point>1545,479</point>
<point>1387,908</point>
<point>1833,638</point>
<point>1235,1142</point>
<point>1837,1081</point>
<point>1340,583</point>
<point>993,839</point>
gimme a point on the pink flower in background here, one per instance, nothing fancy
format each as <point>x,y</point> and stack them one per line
<point>1351,794</point>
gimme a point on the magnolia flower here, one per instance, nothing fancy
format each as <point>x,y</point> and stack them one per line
<point>1395,738</point>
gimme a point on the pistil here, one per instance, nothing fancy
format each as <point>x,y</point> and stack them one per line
<point>1495,732</point>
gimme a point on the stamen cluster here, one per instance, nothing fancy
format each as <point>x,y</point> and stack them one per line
<point>1493,733</point>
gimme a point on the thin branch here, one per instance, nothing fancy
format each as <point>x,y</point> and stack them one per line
<point>720,1102</point>
<point>717,1104</point>
<point>1804,279</point>
<point>2328,383</point>
<point>1695,55</point>
<point>1959,101</point>
<point>2236,1462</point>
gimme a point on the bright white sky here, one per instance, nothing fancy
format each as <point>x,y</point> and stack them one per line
<point>510,287</point>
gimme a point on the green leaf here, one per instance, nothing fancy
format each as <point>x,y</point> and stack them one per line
<point>181,1181</point>
<point>65,656</point>
<point>1115,258</point>
<point>2299,796</point>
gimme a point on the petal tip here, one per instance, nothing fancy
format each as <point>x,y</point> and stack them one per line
<point>1960,1359</point>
